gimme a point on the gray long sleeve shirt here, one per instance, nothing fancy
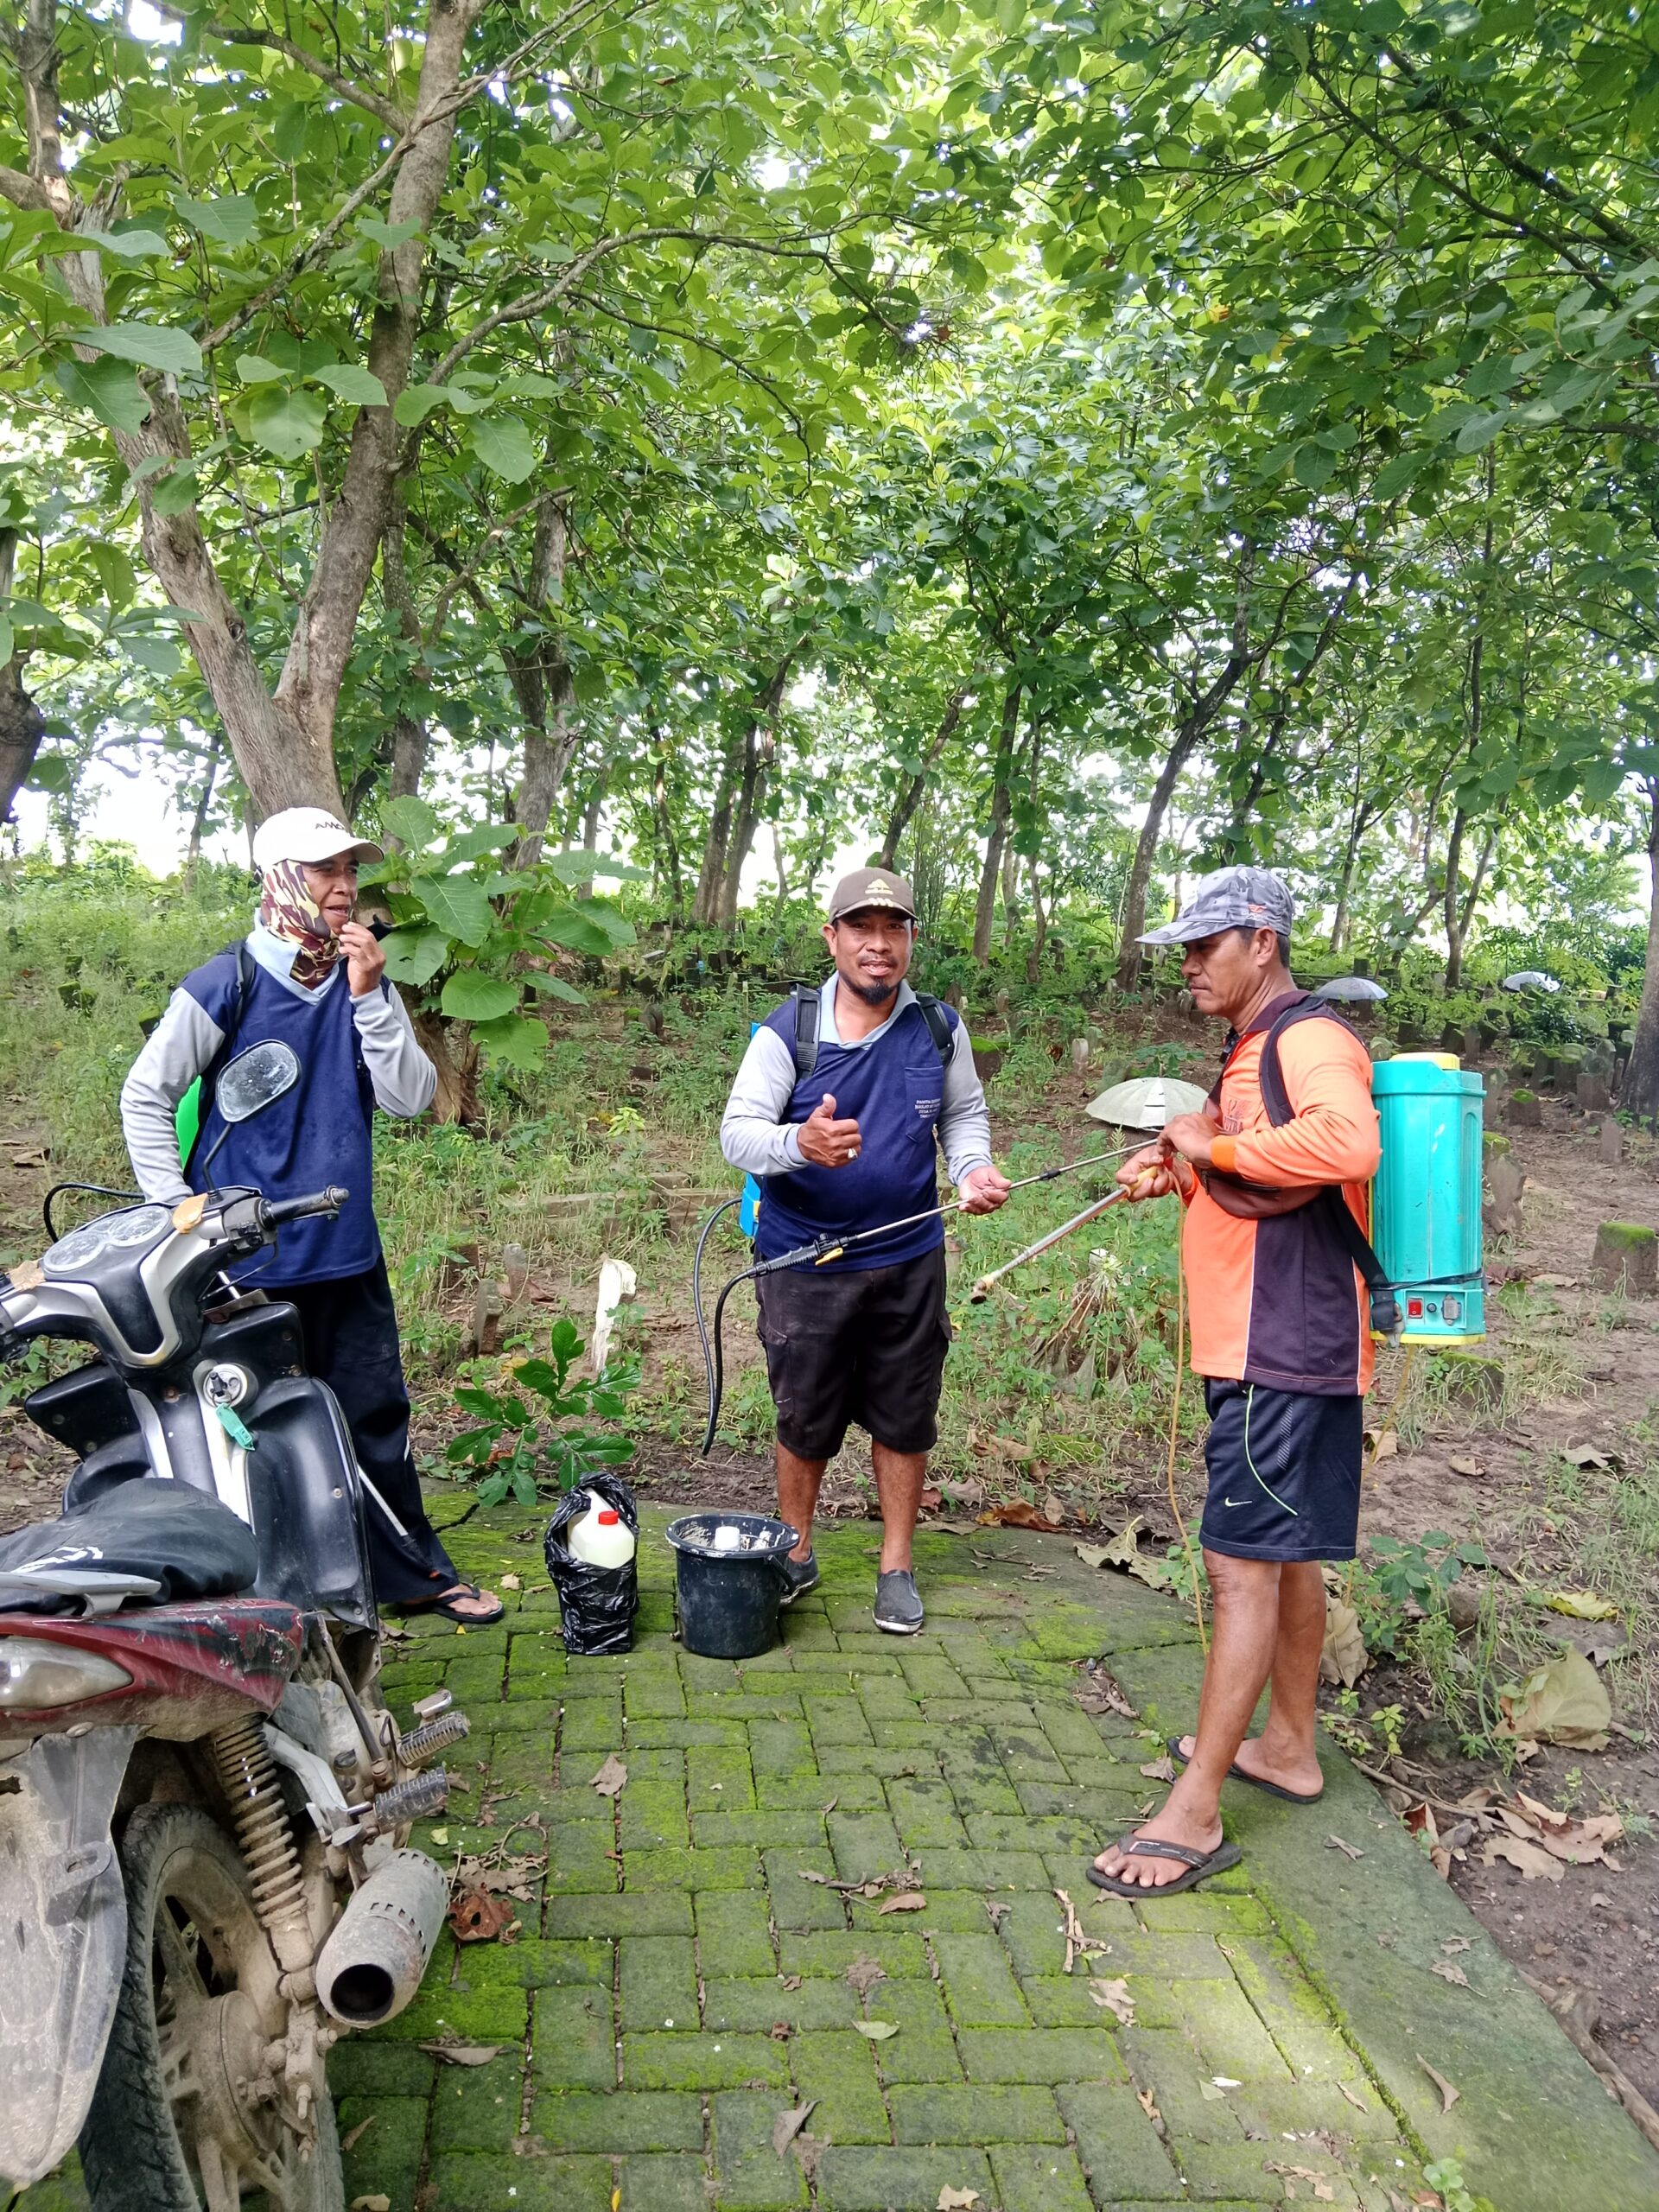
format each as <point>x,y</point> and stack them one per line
<point>182,1044</point>
<point>757,1141</point>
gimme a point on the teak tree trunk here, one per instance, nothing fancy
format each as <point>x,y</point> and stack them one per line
<point>281,737</point>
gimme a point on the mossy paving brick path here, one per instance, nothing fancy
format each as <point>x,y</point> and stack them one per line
<point>681,1978</point>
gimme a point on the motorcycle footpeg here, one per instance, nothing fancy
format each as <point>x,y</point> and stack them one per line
<point>421,1745</point>
<point>416,1799</point>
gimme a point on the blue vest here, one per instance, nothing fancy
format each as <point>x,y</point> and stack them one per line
<point>318,1134</point>
<point>893,1087</point>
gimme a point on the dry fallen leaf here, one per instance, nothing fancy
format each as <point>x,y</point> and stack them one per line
<point>1343,1657</point>
<point>510,1581</point>
<point>864,1973</point>
<point>1585,1455</point>
<point>611,1777</point>
<point>1464,1466</point>
<point>1149,2105</point>
<point>1384,1442</point>
<point>1354,2099</point>
<point>788,2126</point>
<point>906,1901</point>
<point>1322,2189</point>
<point>1448,2095</point>
<point>376,2204</point>
<point>478,1916</point>
<point>1582,1604</point>
<point>1019,1513</point>
<point>1565,1702</point>
<point>957,2200</point>
<point>1114,1997</point>
<point>1532,1860</point>
<point>1348,1850</point>
<point>877,2030</point>
<point>1161,1769</point>
<point>1454,1944</point>
<point>1447,1972</point>
<point>464,2054</point>
<point>353,2136</point>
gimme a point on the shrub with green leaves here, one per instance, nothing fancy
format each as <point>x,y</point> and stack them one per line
<point>467,930</point>
<point>534,1432</point>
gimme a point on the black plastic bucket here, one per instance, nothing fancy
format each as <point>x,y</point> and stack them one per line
<point>728,1600</point>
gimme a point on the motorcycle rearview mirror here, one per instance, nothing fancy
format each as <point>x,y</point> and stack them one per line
<point>249,1083</point>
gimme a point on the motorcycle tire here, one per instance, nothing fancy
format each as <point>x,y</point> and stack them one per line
<point>167,2131</point>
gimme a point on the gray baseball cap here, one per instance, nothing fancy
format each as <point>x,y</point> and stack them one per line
<point>1231,899</point>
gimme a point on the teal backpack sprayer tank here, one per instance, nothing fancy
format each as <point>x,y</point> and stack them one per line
<point>1426,1200</point>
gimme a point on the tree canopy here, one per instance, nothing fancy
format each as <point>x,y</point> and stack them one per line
<point>1053,447</point>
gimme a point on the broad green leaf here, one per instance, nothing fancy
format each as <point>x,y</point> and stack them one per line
<point>468,996</point>
<point>128,246</point>
<point>285,422</point>
<point>51,771</point>
<point>114,571</point>
<point>254,368</point>
<point>410,820</point>
<point>175,491</point>
<point>576,932</point>
<point>455,905</point>
<point>387,234</point>
<point>482,837</point>
<point>502,443</point>
<point>109,387</point>
<point>580,867</point>
<point>359,387</point>
<point>520,1042</point>
<point>232,220</point>
<point>416,403</point>
<point>415,955</point>
<point>1479,430</point>
<point>152,344</point>
<point>554,987</point>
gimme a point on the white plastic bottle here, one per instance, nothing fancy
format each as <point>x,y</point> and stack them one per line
<point>601,1535</point>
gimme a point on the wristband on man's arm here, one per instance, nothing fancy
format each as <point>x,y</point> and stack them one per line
<point>1224,1154</point>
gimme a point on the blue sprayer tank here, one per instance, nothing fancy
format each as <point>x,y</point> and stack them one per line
<point>1426,1200</point>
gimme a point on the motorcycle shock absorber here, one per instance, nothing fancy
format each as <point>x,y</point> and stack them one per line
<point>248,1775</point>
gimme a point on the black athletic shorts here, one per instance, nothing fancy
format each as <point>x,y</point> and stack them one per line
<point>865,1344</point>
<point>1284,1474</point>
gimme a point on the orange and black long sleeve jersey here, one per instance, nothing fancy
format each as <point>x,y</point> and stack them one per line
<point>1278,1301</point>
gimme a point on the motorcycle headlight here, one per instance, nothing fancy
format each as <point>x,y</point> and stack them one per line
<point>36,1673</point>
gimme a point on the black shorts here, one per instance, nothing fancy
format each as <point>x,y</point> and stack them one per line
<point>865,1345</point>
<point>1284,1474</point>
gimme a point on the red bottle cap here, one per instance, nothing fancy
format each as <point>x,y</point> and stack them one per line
<point>607,1519</point>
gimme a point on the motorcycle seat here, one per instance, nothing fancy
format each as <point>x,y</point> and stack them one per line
<point>152,1542</point>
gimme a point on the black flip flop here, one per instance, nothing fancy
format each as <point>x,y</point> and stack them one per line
<point>1199,1865</point>
<point>446,1606</point>
<point>1172,1744</point>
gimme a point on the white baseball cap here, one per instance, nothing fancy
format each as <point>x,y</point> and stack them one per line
<point>307,833</point>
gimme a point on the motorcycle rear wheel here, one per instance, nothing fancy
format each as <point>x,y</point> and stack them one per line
<point>171,2127</point>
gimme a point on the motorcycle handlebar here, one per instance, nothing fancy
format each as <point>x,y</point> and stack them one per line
<point>274,1212</point>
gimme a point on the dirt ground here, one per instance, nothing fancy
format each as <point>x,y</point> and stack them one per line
<point>1593,1935</point>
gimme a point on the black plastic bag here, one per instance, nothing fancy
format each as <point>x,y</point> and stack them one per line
<point>597,1603</point>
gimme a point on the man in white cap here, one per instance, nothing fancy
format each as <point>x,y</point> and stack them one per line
<point>357,1051</point>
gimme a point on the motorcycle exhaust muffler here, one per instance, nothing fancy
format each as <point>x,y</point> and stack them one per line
<point>372,1966</point>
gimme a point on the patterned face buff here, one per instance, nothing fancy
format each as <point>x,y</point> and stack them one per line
<point>289,912</point>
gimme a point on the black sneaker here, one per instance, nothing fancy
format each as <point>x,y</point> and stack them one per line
<point>898,1608</point>
<point>800,1575</point>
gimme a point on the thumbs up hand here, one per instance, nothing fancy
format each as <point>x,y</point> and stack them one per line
<point>825,1141</point>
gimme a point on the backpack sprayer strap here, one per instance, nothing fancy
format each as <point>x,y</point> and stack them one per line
<point>1252,1200</point>
<point>807,1009</point>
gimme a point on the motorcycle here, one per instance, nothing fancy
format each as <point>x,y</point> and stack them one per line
<point>204,1801</point>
